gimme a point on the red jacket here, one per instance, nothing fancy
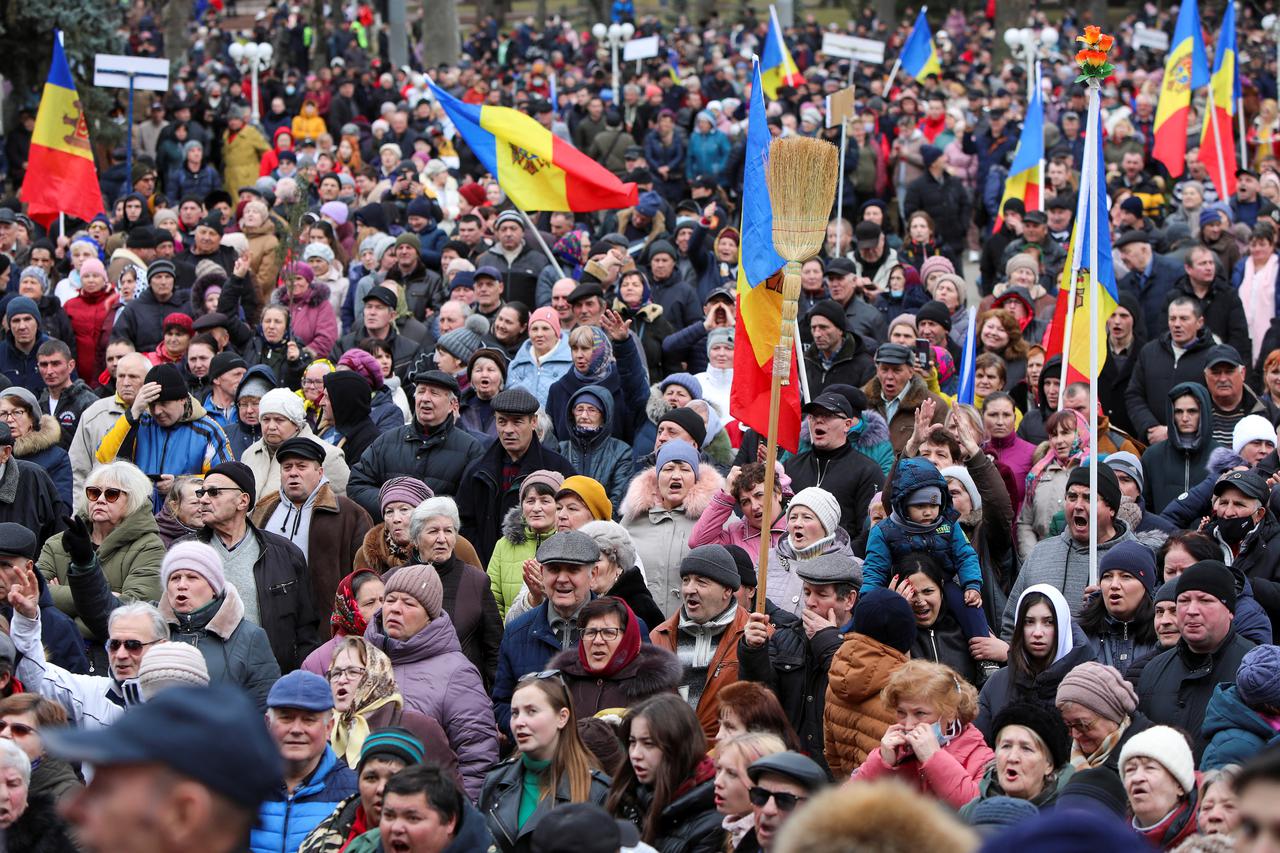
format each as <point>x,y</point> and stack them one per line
<point>951,774</point>
<point>88,312</point>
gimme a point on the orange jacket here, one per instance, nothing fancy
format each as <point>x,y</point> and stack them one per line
<point>854,719</point>
<point>722,671</point>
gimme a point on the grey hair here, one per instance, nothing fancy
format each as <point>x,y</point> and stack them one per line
<point>125,476</point>
<point>12,756</point>
<point>159,629</point>
<point>614,542</point>
<point>463,308</point>
<point>1226,774</point>
<point>440,505</point>
<point>544,426</point>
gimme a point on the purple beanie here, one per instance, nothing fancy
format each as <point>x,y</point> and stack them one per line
<point>361,362</point>
<point>409,490</point>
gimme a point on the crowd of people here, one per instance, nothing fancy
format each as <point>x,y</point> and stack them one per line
<point>313,426</point>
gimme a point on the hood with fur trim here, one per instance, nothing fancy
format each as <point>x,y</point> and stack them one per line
<point>655,670</point>
<point>642,494</point>
<point>48,435</point>
<point>515,531</point>
<point>872,430</point>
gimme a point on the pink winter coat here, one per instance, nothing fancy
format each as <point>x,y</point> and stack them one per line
<point>710,528</point>
<point>311,316</point>
<point>1018,455</point>
<point>951,774</point>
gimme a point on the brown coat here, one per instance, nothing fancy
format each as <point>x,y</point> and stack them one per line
<point>374,553</point>
<point>264,260</point>
<point>338,527</point>
<point>722,672</point>
<point>904,420</point>
<point>855,720</point>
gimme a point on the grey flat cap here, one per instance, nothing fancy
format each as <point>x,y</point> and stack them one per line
<point>800,769</point>
<point>569,546</point>
<point>514,401</point>
<point>830,568</point>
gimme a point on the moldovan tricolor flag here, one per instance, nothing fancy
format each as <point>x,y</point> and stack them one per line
<point>1185,69</point>
<point>777,68</point>
<point>759,322</point>
<point>1024,174</point>
<point>61,176</point>
<point>1218,150</point>
<point>536,169</point>
<point>919,55</point>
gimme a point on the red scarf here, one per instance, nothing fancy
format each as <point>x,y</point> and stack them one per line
<point>626,652</point>
<point>359,827</point>
<point>346,619</point>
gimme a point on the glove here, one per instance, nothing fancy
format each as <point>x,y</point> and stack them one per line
<point>77,542</point>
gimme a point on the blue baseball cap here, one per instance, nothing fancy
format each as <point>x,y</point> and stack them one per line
<point>301,689</point>
<point>177,729</point>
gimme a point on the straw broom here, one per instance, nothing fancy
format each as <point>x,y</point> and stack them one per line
<point>801,174</point>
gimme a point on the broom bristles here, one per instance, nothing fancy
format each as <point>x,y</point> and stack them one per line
<point>801,175</point>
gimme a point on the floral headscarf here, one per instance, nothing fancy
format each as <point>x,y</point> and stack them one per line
<point>1079,454</point>
<point>346,619</point>
<point>376,690</point>
<point>572,249</point>
<point>601,356</point>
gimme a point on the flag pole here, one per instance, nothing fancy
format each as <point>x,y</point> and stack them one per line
<point>1088,172</point>
<point>537,235</point>
<point>800,368</point>
<point>1034,92</point>
<point>1095,223</point>
<point>844,140</point>
<point>1244,154</point>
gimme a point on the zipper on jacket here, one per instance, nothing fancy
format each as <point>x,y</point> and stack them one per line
<point>493,813</point>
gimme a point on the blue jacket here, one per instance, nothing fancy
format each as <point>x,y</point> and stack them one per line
<point>21,369</point>
<point>527,644</point>
<point>896,537</point>
<point>285,821</point>
<point>1234,731</point>
<point>537,379</point>
<point>598,454</point>
<point>708,154</point>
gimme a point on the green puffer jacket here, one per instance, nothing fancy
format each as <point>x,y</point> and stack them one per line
<point>129,557</point>
<point>506,566</point>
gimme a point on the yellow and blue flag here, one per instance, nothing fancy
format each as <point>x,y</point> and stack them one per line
<point>61,175</point>
<point>759,320</point>
<point>1087,229</point>
<point>536,169</point>
<point>1218,151</point>
<point>919,57</point>
<point>1185,69</point>
<point>1024,173</point>
<point>777,68</point>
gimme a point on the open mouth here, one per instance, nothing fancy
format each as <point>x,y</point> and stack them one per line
<point>1011,775</point>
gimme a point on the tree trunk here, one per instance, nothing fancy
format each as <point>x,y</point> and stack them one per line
<point>1009,14</point>
<point>440,32</point>
<point>887,12</point>
<point>175,32</point>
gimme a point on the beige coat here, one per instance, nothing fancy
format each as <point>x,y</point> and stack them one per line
<point>266,470</point>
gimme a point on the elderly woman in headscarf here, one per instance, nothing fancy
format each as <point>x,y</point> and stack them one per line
<point>1068,447</point>
<point>366,699</point>
<point>571,251</point>
<point>358,597</point>
<point>612,360</point>
<point>387,545</point>
<point>1100,710</point>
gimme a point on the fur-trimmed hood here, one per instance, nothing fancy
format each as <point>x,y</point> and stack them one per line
<point>657,406</point>
<point>514,530</point>
<point>317,294</point>
<point>222,624</point>
<point>642,494</point>
<point>872,430</point>
<point>48,435</point>
<point>917,392</point>
<point>655,670</point>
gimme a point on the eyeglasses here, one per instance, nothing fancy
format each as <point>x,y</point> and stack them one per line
<point>132,646</point>
<point>786,802</point>
<point>9,414</point>
<point>313,383</point>
<point>355,673</point>
<point>1081,726</point>
<point>18,729</point>
<point>214,491</point>
<point>93,493</point>
<point>609,634</point>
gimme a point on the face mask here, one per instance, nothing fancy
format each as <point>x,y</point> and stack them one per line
<point>945,737</point>
<point>289,90</point>
<point>1232,530</point>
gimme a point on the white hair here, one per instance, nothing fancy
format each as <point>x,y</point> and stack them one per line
<point>12,756</point>
<point>159,629</point>
<point>125,476</point>
<point>614,541</point>
<point>437,507</point>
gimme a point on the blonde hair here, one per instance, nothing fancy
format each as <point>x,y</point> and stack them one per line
<point>935,683</point>
<point>751,746</point>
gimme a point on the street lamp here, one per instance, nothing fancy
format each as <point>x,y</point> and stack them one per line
<point>615,35</point>
<point>1026,44</point>
<point>254,56</point>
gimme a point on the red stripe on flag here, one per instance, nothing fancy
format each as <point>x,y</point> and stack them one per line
<point>57,182</point>
<point>1170,146</point>
<point>749,394</point>
<point>587,184</point>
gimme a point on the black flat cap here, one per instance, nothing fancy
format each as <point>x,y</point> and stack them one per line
<point>514,401</point>
<point>586,290</point>
<point>438,378</point>
<point>378,293</point>
<point>17,541</point>
<point>299,447</point>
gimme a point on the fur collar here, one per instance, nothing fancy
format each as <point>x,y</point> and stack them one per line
<point>224,623</point>
<point>917,391</point>
<point>874,430</point>
<point>657,406</point>
<point>655,670</point>
<point>514,530</point>
<point>48,435</point>
<point>642,494</point>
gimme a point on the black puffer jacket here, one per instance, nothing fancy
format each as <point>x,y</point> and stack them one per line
<point>1259,561</point>
<point>852,365</point>
<point>690,822</point>
<point>794,666</point>
<point>944,642</point>
<point>438,457</point>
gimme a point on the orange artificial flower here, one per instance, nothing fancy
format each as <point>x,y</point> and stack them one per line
<point>1105,43</point>
<point>1091,35</point>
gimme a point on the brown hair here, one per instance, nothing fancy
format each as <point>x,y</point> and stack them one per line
<point>758,709</point>
<point>675,729</point>
<point>46,711</point>
<point>938,684</point>
<point>572,759</point>
<point>1058,420</point>
<point>749,476</point>
<point>1017,347</point>
<point>992,361</point>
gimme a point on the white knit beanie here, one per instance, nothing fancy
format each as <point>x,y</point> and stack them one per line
<point>172,664</point>
<point>962,474</point>
<point>283,402</point>
<point>823,504</point>
<point>1166,746</point>
<point>1252,428</point>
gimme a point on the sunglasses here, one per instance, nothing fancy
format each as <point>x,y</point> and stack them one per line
<point>18,729</point>
<point>214,491</point>
<point>133,646</point>
<point>93,493</point>
<point>786,802</point>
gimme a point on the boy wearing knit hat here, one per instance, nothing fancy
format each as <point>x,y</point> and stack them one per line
<point>1239,720</point>
<point>922,518</point>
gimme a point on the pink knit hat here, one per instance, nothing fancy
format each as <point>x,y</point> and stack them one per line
<point>420,582</point>
<point>361,362</point>
<point>93,265</point>
<point>935,263</point>
<point>194,557</point>
<point>549,316</point>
